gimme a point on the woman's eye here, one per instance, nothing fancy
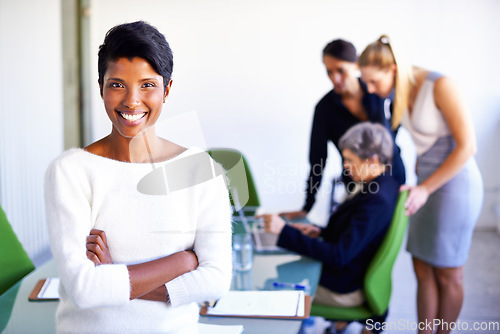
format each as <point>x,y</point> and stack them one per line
<point>149,85</point>
<point>115,85</point>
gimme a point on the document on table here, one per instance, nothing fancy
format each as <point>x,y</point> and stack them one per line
<point>260,303</point>
<point>50,289</point>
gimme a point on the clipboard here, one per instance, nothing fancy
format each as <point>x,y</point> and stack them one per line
<point>307,312</point>
<point>33,297</point>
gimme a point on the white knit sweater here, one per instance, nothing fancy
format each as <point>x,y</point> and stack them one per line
<point>85,191</point>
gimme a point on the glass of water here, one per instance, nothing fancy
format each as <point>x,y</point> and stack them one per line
<point>242,252</point>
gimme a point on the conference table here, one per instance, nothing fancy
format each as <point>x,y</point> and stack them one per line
<point>19,316</point>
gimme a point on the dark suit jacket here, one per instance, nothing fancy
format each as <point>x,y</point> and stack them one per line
<point>352,236</point>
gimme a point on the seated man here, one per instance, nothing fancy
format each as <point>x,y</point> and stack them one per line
<point>356,229</point>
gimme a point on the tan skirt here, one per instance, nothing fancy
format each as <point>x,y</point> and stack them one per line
<point>327,297</point>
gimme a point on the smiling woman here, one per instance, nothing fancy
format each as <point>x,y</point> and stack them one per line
<point>135,67</point>
<point>133,94</point>
<point>131,261</point>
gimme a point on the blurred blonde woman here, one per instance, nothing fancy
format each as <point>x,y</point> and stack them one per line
<point>447,200</point>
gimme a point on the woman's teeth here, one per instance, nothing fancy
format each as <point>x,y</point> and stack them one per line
<point>132,118</point>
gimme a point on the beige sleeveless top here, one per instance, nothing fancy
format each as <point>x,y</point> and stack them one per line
<point>426,123</point>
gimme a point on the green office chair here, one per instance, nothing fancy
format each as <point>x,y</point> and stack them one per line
<point>240,179</point>
<point>377,283</point>
<point>14,262</point>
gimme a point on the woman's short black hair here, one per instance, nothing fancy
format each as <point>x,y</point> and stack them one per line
<point>136,39</point>
<point>342,50</point>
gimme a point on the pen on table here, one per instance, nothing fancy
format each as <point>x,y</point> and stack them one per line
<point>290,285</point>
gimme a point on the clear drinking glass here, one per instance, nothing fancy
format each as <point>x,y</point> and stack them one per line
<point>242,252</point>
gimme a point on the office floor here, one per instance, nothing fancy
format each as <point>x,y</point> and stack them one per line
<point>482,292</point>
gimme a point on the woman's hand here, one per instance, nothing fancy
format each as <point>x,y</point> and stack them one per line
<point>272,223</point>
<point>190,260</point>
<point>293,215</point>
<point>147,276</point>
<point>310,230</point>
<point>160,294</point>
<point>180,262</point>
<point>416,198</point>
<point>97,248</point>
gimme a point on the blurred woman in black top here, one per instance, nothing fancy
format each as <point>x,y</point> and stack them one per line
<point>346,105</point>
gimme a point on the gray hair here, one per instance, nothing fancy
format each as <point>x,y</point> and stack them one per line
<point>368,139</point>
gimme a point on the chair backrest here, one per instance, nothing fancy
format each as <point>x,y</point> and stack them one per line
<point>14,262</point>
<point>378,283</point>
<point>240,177</point>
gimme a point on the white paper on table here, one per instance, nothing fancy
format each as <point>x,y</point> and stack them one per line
<point>50,289</point>
<point>219,329</point>
<point>260,303</point>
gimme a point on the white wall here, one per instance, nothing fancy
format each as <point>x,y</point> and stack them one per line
<point>253,72</point>
<point>31,114</point>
